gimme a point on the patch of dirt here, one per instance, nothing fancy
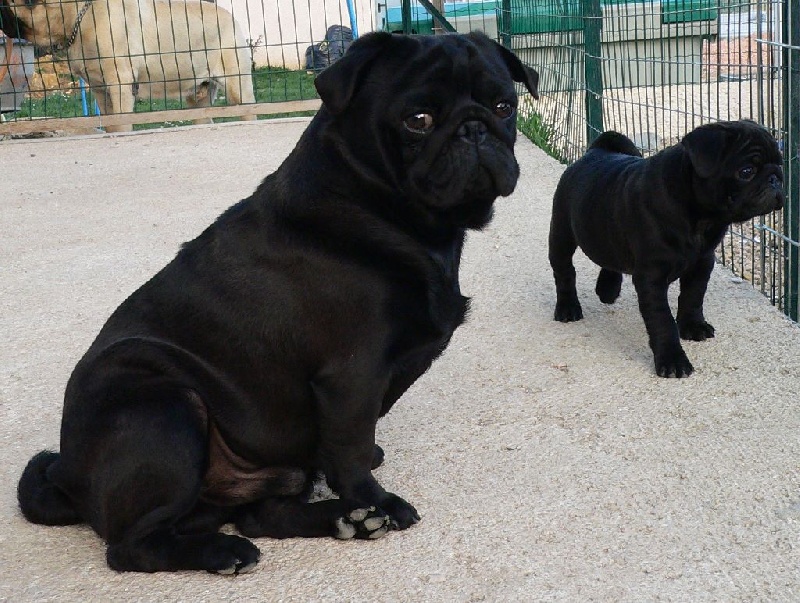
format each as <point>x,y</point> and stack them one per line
<point>737,59</point>
<point>51,74</point>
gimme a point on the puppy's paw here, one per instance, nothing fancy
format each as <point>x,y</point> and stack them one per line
<point>364,523</point>
<point>674,364</point>
<point>568,311</point>
<point>696,331</point>
<point>402,514</point>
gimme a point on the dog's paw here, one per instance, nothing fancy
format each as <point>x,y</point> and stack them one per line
<point>674,364</point>
<point>696,331</point>
<point>609,284</point>
<point>365,523</point>
<point>568,311</point>
<point>402,513</point>
<point>377,457</point>
<point>233,555</point>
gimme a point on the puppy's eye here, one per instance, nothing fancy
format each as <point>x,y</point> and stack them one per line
<point>504,110</point>
<point>747,173</point>
<point>419,123</point>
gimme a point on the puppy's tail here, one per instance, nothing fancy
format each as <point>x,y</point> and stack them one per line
<point>615,142</point>
<point>39,499</point>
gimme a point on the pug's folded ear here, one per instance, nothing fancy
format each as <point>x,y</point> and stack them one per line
<point>706,148</point>
<point>520,72</point>
<point>337,83</point>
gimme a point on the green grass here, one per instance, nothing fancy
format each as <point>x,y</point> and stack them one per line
<point>270,86</point>
<point>539,133</point>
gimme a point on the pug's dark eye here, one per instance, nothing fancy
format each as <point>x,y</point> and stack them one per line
<point>504,110</point>
<point>419,123</point>
<point>747,173</point>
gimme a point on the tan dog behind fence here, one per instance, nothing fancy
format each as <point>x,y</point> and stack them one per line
<point>147,49</point>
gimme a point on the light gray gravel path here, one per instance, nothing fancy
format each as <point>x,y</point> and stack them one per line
<point>548,462</point>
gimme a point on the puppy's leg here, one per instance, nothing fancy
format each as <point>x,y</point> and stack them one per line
<point>292,517</point>
<point>670,359</point>
<point>145,474</point>
<point>609,284</point>
<point>562,246</point>
<point>349,406</point>
<point>691,322</point>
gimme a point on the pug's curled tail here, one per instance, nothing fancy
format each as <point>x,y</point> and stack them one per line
<point>615,142</point>
<point>40,500</point>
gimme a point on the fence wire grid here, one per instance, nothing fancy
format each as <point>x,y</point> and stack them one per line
<point>78,58</point>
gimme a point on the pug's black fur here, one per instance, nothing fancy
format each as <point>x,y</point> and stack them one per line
<point>266,351</point>
<point>660,219</point>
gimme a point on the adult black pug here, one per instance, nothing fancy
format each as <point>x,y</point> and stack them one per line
<point>660,219</point>
<point>269,347</point>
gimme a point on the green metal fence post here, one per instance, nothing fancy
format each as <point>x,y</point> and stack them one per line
<point>791,151</point>
<point>405,12</point>
<point>593,72</point>
<point>505,23</point>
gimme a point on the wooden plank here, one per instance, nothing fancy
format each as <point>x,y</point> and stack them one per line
<point>27,126</point>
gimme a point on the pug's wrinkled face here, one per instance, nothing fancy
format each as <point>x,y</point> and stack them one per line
<point>739,169</point>
<point>435,116</point>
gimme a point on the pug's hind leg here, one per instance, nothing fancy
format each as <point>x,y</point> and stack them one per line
<point>292,517</point>
<point>609,284</point>
<point>562,246</point>
<point>145,477</point>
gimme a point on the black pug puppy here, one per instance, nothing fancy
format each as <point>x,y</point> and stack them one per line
<point>660,219</point>
<point>266,351</point>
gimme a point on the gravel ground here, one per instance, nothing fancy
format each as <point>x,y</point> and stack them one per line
<point>548,462</point>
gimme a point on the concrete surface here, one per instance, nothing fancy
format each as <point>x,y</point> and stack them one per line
<point>548,462</point>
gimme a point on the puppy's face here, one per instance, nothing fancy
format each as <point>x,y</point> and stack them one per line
<point>433,117</point>
<point>738,169</point>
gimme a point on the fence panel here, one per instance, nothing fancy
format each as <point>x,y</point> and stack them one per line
<point>128,57</point>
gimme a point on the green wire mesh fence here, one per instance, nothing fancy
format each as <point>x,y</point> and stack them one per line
<point>72,58</point>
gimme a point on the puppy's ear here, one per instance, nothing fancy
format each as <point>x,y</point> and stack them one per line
<point>706,148</point>
<point>519,71</point>
<point>337,83</point>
